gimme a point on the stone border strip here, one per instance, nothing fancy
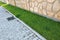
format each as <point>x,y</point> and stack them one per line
<point>48,8</point>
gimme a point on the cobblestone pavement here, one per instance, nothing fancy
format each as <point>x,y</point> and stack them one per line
<point>11,28</point>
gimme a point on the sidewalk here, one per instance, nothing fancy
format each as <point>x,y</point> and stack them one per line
<point>11,28</point>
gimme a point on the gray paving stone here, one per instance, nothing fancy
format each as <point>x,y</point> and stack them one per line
<point>15,29</point>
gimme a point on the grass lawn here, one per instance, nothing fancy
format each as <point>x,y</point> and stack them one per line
<point>46,27</point>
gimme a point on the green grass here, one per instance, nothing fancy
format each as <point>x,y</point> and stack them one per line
<point>46,27</point>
